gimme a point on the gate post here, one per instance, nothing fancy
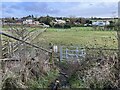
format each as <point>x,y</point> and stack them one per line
<point>60,53</point>
<point>0,62</point>
<point>0,47</point>
<point>0,58</point>
<point>77,50</point>
<point>66,53</point>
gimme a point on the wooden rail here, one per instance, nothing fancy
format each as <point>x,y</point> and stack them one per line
<point>10,36</point>
<point>9,59</point>
<point>101,49</point>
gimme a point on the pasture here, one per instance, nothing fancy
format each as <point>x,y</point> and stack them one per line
<point>100,64</point>
<point>77,36</point>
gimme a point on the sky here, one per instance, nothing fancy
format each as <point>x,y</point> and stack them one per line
<point>76,8</point>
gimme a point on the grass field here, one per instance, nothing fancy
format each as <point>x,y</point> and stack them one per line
<point>82,36</point>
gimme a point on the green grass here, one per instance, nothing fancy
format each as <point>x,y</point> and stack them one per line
<point>83,36</point>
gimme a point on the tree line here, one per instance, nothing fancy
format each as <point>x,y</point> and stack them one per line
<point>48,20</point>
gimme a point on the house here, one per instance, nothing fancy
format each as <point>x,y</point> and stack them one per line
<point>100,23</point>
<point>36,22</point>
<point>77,23</point>
<point>44,25</point>
<point>30,22</point>
<point>59,21</point>
<point>19,21</point>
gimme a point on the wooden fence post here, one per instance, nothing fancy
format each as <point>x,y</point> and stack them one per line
<point>66,53</point>
<point>117,64</point>
<point>61,53</point>
<point>77,50</point>
<point>0,62</point>
<point>52,57</point>
<point>51,60</point>
<point>0,48</point>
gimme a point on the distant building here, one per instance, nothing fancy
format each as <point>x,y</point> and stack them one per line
<point>100,23</point>
<point>30,22</point>
<point>44,25</point>
<point>59,21</point>
<point>77,23</point>
<point>36,22</point>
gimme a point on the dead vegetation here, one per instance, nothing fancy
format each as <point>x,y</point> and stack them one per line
<point>25,66</point>
<point>91,73</point>
<point>22,62</point>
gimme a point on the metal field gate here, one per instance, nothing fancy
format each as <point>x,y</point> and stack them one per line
<point>72,53</point>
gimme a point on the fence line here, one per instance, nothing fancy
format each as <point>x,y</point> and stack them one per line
<point>25,42</point>
<point>101,49</point>
<point>75,52</point>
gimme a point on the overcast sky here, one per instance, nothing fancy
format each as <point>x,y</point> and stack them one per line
<point>78,8</point>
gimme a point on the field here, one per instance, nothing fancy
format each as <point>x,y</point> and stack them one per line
<point>80,74</point>
<point>84,36</point>
<point>78,36</point>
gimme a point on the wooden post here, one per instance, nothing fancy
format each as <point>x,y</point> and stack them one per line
<point>77,53</point>
<point>117,65</point>
<point>66,52</point>
<point>0,60</point>
<point>0,47</point>
<point>52,57</point>
<point>61,53</point>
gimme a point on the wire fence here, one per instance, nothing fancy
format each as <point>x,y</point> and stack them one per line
<point>26,61</point>
<point>79,53</point>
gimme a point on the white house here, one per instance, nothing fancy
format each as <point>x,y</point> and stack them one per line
<point>44,25</point>
<point>107,23</point>
<point>28,21</point>
<point>100,23</point>
<point>59,21</point>
<point>36,22</point>
<point>31,22</point>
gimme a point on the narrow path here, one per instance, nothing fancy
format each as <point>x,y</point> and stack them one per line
<point>62,78</point>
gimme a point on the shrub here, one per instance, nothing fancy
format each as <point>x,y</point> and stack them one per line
<point>58,26</point>
<point>43,81</point>
<point>67,26</point>
<point>11,83</point>
<point>62,26</point>
<point>111,27</point>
